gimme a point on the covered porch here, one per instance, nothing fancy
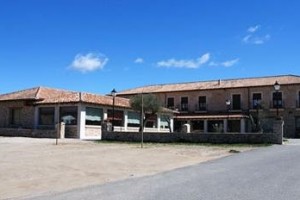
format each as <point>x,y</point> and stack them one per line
<point>219,123</point>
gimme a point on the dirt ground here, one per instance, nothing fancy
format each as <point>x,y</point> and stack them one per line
<point>31,167</point>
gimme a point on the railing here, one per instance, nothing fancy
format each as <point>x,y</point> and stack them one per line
<point>202,107</point>
<point>277,104</point>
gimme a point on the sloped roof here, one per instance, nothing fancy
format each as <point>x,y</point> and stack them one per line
<point>215,84</point>
<point>44,95</point>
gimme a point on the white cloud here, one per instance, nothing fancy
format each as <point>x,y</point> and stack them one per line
<point>89,62</point>
<point>230,63</point>
<point>227,63</point>
<point>139,60</point>
<point>191,63</point>
<point>253,37</point>
<point>253,29</point>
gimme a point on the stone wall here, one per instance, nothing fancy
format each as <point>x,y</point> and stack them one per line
<point>27,114</point>
<point>13,132</point>
<point>215,138</point>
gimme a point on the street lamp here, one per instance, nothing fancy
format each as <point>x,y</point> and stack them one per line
<point>277,88</point>
<point>228,103</point>
<point>113,94</point>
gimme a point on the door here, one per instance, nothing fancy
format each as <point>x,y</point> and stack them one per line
<point>297,131</point>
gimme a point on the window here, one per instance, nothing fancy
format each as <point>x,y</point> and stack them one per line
<point>184,103</point>
<point>93,116</point>
<point>202,103</point>
<point>164,121</point>
<point>117,119</point>
<point>236,102</point>
<point>15,116</point>
<point>170,102</point>
<point>151,122</point>
<point>46,116</point>
<point>198,126</point>
<point>133,119</point>
<point>256,100</point>
<point>68,115</point>
<point>277,100</point>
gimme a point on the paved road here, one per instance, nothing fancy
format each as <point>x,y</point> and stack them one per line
<point>271,173</point>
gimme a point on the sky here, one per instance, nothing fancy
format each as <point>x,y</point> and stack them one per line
<point>97,45</point>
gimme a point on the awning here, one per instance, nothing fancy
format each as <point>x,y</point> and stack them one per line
<point>210,117</point>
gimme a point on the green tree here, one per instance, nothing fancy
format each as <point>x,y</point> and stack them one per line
<point>150,104</point>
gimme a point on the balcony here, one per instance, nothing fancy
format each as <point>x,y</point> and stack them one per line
<point>201,108</point>
<point>184,107</point>
<point>274,105</point>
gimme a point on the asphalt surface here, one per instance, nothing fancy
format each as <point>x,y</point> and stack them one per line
<point>271,173</point>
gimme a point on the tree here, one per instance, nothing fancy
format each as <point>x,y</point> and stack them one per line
<point>150,104</point>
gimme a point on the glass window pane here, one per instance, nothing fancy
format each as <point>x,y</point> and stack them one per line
<point>93,116</point>
<point>68,115</point>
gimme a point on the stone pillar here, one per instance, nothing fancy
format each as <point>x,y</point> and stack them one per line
<point>36,117</point>
<point>225,122</point>
<point>56,115</point>
<point>278,132</point>
<point>205,126</point>
<point>243,125</point>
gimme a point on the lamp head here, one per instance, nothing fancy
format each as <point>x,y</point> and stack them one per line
<point>276,86</point>
<point>113,92</point>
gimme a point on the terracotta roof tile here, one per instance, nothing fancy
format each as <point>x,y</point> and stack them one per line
<point>29,94</point>
<point>44,95</point>
<point>216,84</point>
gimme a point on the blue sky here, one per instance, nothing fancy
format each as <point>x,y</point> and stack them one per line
<point>95,46</point>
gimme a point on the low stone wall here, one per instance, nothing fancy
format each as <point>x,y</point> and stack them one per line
<point>215,138</point>
<point>13,132</point>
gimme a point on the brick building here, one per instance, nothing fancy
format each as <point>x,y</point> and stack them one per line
<point>233,105</point>
<point>36,112</point>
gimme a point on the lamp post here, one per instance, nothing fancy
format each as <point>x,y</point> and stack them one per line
<point>228,103</point>
<point>113,94</point>
<point>277,88</point>
<point>257,106</point>
<point>142,122</point>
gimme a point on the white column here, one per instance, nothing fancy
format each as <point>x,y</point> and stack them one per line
<point>158,122</point>
<point>172,124</point>
<point>225,122</point>
<point>104,114</point>
<point>205,126</point>
<point>81,121</point>
<point>243,125</point>
<point>125,120</point>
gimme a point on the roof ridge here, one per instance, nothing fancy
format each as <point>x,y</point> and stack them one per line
<point>18,91</point>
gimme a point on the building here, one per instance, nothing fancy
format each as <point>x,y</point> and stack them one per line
<point>37,111</point>
<point>233,105</point>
